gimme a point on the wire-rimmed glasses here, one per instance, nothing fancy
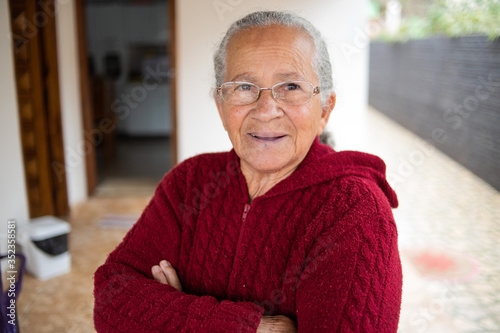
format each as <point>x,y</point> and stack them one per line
<point>289,92</point>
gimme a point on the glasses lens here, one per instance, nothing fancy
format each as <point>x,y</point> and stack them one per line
<point>290,92</point>
<point>239,93</point>
<point>293,92</point>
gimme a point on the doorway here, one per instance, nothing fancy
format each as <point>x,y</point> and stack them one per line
<point>131,113</point>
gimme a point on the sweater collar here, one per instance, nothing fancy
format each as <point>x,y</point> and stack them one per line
<point>323,164</point>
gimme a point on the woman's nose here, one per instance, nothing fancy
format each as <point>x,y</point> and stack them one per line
<point>267,107</point>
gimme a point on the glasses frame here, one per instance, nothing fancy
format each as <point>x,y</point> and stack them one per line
<point>315,91</point>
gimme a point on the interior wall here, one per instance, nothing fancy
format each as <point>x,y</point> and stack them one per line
<point>74,140</point>
<point>200,25</point>
<point>13,195</point>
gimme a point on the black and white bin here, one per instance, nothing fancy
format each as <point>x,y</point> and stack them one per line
<point>46,250</point>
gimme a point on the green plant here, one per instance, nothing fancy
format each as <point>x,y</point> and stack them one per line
<point>452,18</point>
<point>458,18</point>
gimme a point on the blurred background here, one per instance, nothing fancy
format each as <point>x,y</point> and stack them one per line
<point>102,97</point>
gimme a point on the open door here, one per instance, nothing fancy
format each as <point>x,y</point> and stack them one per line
<point>95,110</point>
<point>37,80</point>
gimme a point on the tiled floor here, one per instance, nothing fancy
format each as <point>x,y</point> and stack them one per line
<point>449,212</point>
<point>145,158</point>
<point>447,219</point>
<point>64,304</point>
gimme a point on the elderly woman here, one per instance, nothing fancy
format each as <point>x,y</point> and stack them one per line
<point>282,233</point>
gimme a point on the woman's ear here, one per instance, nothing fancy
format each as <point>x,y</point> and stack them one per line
<point>326,111</point>
<point>330,104</point>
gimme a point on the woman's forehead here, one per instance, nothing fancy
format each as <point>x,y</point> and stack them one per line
<point>283,52</point>
<point>277,77</point>
<point>271,35</point>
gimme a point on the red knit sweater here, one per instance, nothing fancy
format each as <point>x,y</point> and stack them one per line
<point>319,247</point>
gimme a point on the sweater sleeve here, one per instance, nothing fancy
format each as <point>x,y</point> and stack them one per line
<point>127,299</point>
<point>352,279</point>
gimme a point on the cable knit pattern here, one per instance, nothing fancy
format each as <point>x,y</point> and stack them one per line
<point>319,247</point>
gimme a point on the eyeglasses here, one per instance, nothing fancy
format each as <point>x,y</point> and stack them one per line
<point>289,93</point>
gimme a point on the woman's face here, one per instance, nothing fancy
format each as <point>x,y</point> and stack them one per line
<point>267,135</point>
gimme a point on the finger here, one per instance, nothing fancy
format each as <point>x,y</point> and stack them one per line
<point>171,275</point>
<point>158,274</point>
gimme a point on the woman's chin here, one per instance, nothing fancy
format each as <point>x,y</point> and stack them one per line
<point>268,157</point>
<point>269,164</point>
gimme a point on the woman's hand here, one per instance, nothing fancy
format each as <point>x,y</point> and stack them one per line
<point>276,324</point>
<point>166,274</point>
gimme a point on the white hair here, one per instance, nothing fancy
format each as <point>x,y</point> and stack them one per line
<point>321,61</point>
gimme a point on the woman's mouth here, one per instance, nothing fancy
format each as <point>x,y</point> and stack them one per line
<point>272,137</point>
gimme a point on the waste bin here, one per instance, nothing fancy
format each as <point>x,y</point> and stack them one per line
<point>46,248</point>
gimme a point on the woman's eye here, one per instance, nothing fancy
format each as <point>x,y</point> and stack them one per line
<point>243,87</point>
<point>292,86</point>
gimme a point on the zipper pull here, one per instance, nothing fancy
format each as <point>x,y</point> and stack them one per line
<point>245,212</point>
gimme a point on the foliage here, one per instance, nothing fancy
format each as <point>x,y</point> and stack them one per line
<point>373,9</point>
<point>452,18</point>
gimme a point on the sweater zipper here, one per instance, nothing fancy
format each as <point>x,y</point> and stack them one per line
<point>245,212</point>
<point>242,229</point>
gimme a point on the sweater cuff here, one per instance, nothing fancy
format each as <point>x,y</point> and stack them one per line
<point>241,317</point>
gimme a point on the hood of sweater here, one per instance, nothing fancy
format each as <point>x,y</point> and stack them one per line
<point>323,164</point>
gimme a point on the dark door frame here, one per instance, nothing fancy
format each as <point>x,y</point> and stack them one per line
<point>39,109</point>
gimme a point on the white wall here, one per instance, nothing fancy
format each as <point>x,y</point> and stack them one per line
<point>200,26</point>
<point>13,196</point>
<point>71,114</point>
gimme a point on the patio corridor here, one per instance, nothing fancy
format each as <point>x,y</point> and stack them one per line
<point>449,231</point>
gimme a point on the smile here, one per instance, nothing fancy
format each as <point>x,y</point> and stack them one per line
<point>267,137</point>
